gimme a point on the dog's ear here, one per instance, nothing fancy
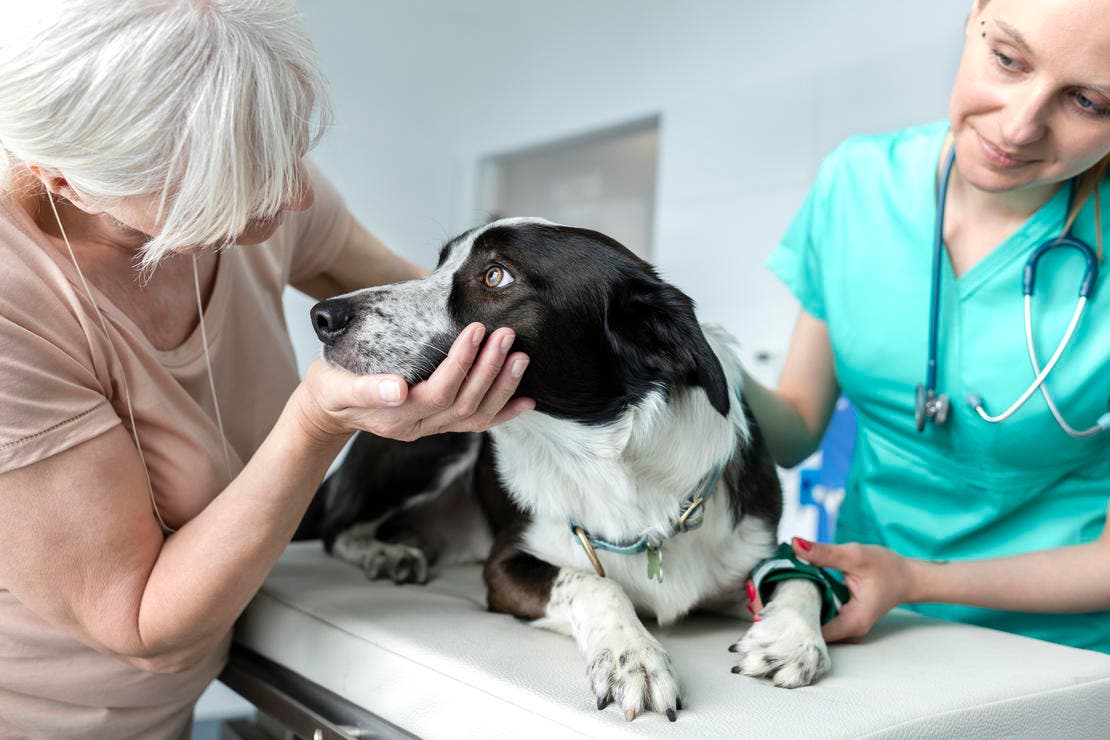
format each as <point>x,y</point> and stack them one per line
<point>652,327</point>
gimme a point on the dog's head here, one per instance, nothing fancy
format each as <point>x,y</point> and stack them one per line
<point>600,327</point>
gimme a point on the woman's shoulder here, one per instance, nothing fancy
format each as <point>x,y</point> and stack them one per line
<point>29,267</point>
<point>896,147</point>
<point>896,159</point>
<point>36,295</point>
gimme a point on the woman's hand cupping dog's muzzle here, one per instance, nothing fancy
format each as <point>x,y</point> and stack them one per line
<point>468,392</point>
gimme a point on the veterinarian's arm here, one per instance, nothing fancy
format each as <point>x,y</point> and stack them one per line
<point>363,261</point>
<point>1063,580</point>
<point>80,546</point>
<point>794,416</point>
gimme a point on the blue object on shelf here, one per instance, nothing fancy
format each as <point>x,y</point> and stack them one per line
<point>823,487</point>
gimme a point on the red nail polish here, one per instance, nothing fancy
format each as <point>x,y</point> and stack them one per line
<point>804,544</point>
<point>750,610</point>
<point>751,591</point>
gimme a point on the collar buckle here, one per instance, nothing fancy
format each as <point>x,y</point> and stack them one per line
<point>684,522</point>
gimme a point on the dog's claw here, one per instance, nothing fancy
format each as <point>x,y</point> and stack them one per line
<point>736,669</point>
<point>603,701</point>
<point>732,648</point>
<point>671,715</point>
<point>678,704</point>
<point>630,715</point>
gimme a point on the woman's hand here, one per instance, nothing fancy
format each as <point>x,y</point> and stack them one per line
<point>878,578</point>
<point>466,393</point>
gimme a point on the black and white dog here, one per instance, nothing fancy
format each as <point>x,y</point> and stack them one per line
<point>640,440</point>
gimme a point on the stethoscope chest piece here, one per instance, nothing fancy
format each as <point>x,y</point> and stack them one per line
<point>928,405</point>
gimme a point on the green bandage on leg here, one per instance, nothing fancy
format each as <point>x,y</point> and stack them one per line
<point>784,565</point>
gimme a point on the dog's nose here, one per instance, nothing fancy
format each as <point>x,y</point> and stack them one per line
<point>331,318</point>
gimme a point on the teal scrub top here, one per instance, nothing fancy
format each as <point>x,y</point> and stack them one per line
<point>859,257</point>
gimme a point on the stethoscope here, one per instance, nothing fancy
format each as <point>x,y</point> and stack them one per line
<point>928,404</point>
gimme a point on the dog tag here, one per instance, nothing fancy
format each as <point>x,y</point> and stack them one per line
<point>655,563</point>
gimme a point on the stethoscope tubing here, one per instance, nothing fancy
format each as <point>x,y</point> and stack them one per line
<point>927,393</point>
<point>1041,375</point>
<point>938,254</point>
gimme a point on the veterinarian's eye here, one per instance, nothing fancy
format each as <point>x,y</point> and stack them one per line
<point>497,277</point>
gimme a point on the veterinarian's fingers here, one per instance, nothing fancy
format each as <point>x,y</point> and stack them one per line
<point>440,390</point>
<point>837,629</point>
<point>486,374</point>
<point>825,556</point>
<point>755,603</point>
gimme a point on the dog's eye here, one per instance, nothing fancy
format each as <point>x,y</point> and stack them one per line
<point>497,277</point>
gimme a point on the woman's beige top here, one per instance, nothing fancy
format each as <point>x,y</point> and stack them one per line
<point>61,385</point>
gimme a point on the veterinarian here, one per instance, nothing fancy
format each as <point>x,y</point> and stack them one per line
<point>157,448</point>
<point>1017,509</point>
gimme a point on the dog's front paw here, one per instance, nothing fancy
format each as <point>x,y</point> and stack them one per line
<point>784,647</point>
<point>636,673</point>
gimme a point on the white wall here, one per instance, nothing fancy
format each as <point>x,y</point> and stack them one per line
<point>751,95</point>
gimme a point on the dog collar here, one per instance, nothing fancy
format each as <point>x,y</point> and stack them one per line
<point>785,565</point>
<point>691,517</point>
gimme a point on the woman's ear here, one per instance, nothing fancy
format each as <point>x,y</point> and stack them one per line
<point>59,186</point>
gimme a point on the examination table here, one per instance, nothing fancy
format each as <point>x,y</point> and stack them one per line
<point>328,654</point>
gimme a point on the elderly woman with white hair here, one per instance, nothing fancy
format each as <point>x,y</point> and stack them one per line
<point>157,449</point>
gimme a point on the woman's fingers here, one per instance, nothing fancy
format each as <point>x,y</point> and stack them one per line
<point>380,390</point>
<point>486,371</point>
<point>473,413</point>
<point>338,389</point>
<point>838,628</point>
<point>440,390</point>
<point>840,557</point>
<point>470,390</point>
<point>502,390</point>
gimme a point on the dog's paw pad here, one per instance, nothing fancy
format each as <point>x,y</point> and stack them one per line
<point>784,648</point>
<point>635,674</point>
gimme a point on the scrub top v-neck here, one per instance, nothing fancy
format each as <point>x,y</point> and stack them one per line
<point>858,256</point>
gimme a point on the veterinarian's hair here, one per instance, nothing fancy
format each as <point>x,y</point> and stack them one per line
<point>1089,181</point>
<point>206,106</point>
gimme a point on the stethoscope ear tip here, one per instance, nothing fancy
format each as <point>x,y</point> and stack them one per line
<point>974,400</point>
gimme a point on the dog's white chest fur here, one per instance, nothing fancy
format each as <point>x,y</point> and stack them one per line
<point>630,477</point>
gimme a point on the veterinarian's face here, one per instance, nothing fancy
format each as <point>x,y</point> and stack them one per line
<point>1031,101</point>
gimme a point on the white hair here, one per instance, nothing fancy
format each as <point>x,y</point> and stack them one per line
<point>207,106</point>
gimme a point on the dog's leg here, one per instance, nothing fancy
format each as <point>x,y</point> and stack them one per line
<point>624,663</point>
<point>403,562</point>
<point>785,645</point>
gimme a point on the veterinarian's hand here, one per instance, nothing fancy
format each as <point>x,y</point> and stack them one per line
<point>469,391</point>
<point>878,578</point>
